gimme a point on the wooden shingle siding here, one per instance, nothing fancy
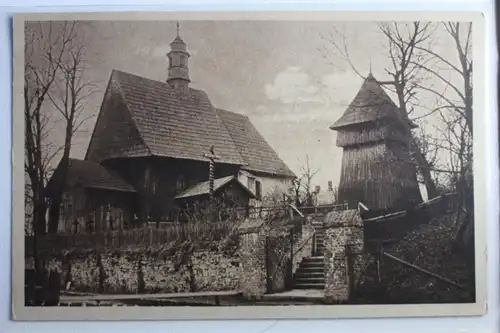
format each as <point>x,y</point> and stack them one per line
<point>369,105</point>
<point>115,133</point>
<point>374,175</point>
<point>256,152</point>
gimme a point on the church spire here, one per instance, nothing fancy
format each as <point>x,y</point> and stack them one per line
<point>178,70</point>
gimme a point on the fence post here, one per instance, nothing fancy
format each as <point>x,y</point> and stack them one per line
<point>150,236</point>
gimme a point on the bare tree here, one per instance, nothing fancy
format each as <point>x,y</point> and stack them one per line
<point>461,36</point>
<point>44,49</point>
<point>456,111</point>
<point>69,99</point>
<point>302,185</point>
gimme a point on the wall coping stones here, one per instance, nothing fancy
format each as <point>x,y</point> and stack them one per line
<point>343,218</point>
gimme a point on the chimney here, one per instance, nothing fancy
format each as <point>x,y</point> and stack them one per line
<point>330,186</point>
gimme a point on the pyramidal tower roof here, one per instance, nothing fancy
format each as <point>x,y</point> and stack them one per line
<point>369,105</point>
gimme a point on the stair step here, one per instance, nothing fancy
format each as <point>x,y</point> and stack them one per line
<point>310,269</point>
<point>309,286</point>
<point>313,261</point>
<point>311,265</point>
<point>308,280</point>
<point>300,274</point>
<point>319,260</point>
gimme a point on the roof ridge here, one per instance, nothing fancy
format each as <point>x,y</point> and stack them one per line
<point>152,80</point>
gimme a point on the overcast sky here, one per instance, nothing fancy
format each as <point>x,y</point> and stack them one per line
<point>277,73</point>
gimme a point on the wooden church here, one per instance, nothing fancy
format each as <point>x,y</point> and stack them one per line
<point>377,169</point>
<point>159,144</point>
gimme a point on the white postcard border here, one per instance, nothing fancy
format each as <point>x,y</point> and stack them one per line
<point>482,167</point>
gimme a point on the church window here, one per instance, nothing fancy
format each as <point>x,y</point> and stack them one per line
<point>181,183</point>
<point>251,183</point>
<point>183,60</point>
<point>258,190</point>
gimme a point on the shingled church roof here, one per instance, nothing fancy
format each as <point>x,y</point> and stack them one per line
<point>369,105</point>
<point>259,156</point>
<point>144,117</point>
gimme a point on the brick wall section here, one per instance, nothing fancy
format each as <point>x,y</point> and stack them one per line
<point>253,274</point>
<point>343,229</point>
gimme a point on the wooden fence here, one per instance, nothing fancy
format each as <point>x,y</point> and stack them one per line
<point>140,237</point>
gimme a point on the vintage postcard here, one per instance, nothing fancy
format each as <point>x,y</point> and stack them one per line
<point>248,165</point>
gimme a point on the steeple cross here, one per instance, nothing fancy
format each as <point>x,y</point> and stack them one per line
<point>212,157</point>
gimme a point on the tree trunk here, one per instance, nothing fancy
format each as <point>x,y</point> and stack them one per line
<point>424,168</point>
<point>54,211</point>
<point>56,198</point>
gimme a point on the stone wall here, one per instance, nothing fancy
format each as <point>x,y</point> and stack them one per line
<point>265,256</point>
<point>344,258</point>
<point>278,260</point>
<point>252,242</point>
<point>136,271</point>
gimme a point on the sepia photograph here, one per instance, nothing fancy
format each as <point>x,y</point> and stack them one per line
<point>197,165</point>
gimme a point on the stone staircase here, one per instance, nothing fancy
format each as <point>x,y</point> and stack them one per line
<point>311,271</point>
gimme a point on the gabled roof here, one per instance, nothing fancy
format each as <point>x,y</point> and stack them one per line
<point>254,149</point>
<point>89,174</point>
<point>371,104</point>
<point>150,118</point>
<point>203,187</point>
